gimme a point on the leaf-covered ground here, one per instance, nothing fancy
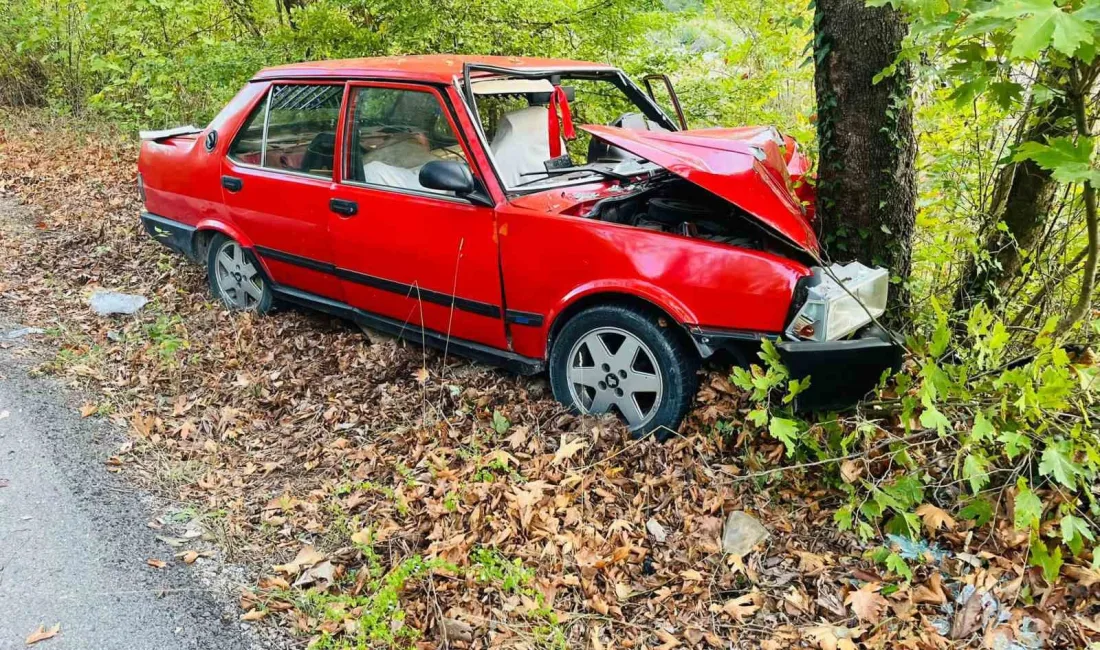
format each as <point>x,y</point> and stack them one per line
<point>385,494</point>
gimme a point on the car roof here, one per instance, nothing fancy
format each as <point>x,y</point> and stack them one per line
<point>441,68</point>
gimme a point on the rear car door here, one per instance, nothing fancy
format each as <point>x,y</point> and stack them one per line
<point>418,256</point>
<point>277,179</point>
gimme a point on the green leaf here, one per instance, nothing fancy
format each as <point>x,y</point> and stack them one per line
<point>1006,93</point>
<point>1057,461</point>
<point>982,429</point>
<point>786,431</point>
<point>1015,443</point>
<point>1028,508</point>
<point>1068,161</point>
<point>974,471</point>
<point>931,418</point>
<point>1049,562</point>
<point>1070,32</point>
<point>979,510</point>
<point>1074,533</point>
<point>904,493</point>
<point>1033,35</point>
<point>895,563</point>
<point>500,423</point>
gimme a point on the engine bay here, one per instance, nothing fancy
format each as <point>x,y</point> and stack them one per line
<point>680,208</point>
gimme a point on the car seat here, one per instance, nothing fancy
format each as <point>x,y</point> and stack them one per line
<point>319,153</point>
<point>521,144</point>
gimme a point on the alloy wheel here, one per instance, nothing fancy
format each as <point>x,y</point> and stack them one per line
<point>240,284</point>
<point>610,367</point>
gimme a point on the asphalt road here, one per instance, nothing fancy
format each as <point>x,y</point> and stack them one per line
<point>74,538</point>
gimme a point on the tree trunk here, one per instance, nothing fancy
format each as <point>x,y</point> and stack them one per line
<point>1023,208</point>
<point>866,187</point>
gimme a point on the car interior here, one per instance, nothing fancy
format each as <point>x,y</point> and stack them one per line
<point>515,116</point>
<point>394,132</point>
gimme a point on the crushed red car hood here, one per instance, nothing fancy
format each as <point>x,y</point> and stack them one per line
<point>744,166</point>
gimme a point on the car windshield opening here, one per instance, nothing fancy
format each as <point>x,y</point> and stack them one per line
<point>517,116</point>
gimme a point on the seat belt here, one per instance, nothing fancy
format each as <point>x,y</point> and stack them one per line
<point>558,100</point>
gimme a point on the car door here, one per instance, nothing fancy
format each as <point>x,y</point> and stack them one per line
<point>277,179</point>
<point>414,255</point>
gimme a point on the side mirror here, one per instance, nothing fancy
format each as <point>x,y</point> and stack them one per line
<point>448,176</point>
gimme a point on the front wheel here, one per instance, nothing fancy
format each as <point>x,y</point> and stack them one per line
<point>620,359</point>
<point>236,278</point>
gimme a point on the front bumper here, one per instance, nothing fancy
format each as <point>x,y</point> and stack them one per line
<point>841,372</point>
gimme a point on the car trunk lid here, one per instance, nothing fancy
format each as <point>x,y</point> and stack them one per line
<point>744,166</point>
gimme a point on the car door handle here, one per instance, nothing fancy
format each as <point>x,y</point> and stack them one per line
<point>346,208</point>
<point>232,183</point>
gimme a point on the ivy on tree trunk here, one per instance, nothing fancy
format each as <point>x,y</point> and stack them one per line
<point>866,189</point>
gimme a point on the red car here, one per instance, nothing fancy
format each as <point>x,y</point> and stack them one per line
<point>450,200</point>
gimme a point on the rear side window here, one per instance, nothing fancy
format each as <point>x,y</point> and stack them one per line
<point>248,148</point>
<point>301,128</point>
<point>296,133</point>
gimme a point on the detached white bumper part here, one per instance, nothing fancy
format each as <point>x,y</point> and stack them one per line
<point>832,311</point>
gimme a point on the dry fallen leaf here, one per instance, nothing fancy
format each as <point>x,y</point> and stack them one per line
<point>567,450</point>
<point>457,630</point>
<point>931,592</point>
<point>935,518</point>
<point>832,637</point>
<point>188,557</point>
<point>41,634</point>
<point>1084,576</point>
<point>306,557</point>
<point>88,409</point>
<point>155,563</point>
<point>866,603</point>
<point>741,607</point>
<point>422,375</point>
<point>810,564</point>
<point>850,471</point>
<point>253,615</point>
<point>968,618</point>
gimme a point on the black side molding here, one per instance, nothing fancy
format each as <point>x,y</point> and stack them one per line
<point>509,360</point>
<point>412,291</point>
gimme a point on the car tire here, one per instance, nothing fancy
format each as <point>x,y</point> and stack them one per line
<point>236,277</point>
<point>654,377</point>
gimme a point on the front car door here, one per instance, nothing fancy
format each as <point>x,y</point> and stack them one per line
<point>417,256</point>
<point>277,179</point>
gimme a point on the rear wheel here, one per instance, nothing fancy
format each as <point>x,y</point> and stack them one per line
<point>235,276</point>
<point>620,359</point>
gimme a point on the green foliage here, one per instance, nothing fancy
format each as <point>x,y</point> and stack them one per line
<point>1022,436</point>
<point>377,616</point>
<point>154,63</point>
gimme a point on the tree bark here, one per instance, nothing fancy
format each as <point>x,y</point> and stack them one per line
<point>866,187</point>
<point>1023,208</point>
